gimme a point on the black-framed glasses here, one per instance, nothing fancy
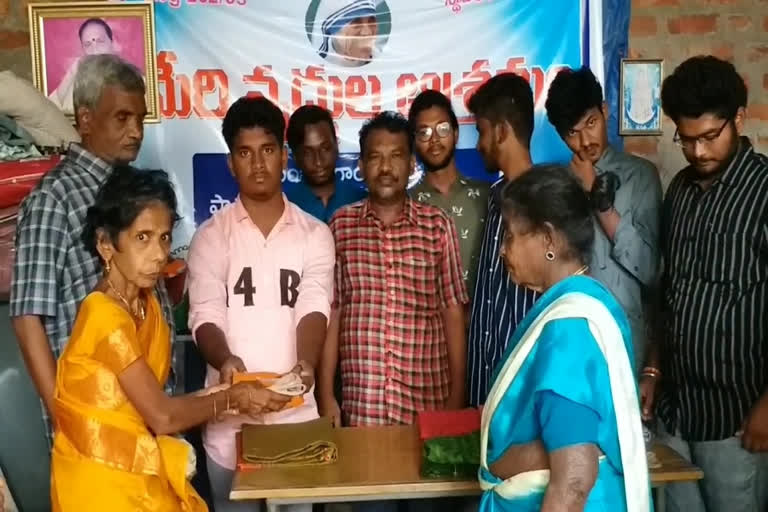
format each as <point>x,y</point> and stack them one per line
<point>443,130</point>
<point>705,140</point>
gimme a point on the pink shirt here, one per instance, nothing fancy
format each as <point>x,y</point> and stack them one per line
<point>256,290</point>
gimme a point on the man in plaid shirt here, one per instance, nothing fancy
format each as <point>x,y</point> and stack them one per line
<point>397,321</point>
<point>53,272</point>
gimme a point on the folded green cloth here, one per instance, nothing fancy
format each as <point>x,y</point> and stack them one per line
<point>291,444</point>
<point>451,456</point>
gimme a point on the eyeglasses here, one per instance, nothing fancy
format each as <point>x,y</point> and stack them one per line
<point>443,130</point>
<point>705,140</point>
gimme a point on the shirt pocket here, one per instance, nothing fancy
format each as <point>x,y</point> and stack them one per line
<point>730,258</point>
<point>418,280</point>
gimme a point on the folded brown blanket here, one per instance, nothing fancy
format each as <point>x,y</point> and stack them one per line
<point>312,443</point>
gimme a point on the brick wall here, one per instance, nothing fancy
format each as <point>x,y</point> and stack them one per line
<point>736,30</point>
<point>670,29</point>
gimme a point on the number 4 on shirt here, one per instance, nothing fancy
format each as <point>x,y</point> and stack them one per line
<point>289,287</point>
<point>244,286</point>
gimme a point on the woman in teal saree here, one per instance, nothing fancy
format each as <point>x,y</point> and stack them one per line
<point>561,427</point>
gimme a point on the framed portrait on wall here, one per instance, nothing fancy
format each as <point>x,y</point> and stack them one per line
<point>640,97</point>
<point>62,33</point>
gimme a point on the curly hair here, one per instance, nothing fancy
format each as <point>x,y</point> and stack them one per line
<point>253,112</point>
<point>122,198</point>
<point>304,115</point>
<point>428,99</point>
<point>571,94</point>
<point>703,85</point>
<point>393,122</point>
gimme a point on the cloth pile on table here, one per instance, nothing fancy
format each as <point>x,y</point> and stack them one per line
<point>451,443</point>
<point>312,443</point>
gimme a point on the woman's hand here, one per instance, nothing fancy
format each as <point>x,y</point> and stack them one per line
<point>254,399</point>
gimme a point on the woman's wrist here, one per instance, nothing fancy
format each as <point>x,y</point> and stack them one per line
<point>221,403</point>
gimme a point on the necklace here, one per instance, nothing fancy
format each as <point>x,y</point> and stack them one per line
<point>140,315</point>
<point>583,270</point>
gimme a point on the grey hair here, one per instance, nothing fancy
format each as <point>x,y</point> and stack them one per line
<point>97,72</point>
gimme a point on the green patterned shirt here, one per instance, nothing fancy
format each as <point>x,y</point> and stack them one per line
<point>467,203</point>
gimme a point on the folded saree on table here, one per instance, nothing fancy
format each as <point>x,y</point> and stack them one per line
<point>312,443</point>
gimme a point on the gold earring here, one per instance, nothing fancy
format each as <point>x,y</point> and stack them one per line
<point>107,267</point>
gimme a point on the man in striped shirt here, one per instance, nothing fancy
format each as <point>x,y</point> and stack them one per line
<point>397,321</point>
<point>503,109</point>
<point>712,367</point>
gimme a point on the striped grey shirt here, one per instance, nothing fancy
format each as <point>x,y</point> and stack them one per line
<point>715,298</point>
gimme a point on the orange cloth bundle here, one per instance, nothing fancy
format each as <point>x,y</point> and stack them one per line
<point>269,380</point>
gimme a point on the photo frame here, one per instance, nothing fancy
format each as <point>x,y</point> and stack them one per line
<point>61,33</point>
<point>640,97</point>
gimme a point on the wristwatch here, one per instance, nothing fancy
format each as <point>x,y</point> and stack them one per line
<point>603,191</point>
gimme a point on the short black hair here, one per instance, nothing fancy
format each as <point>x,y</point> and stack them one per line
<point>304,115</point>
<point>125,194</point>
<point>428,99</point>
<point>552,194</point>
<point>253,112</point>
<point>393,122</point>
<point>703,85</point>
<point>506,97</point>
<point>95,21</point>
<point>572,93</point>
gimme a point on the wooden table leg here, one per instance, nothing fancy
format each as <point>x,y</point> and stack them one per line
<point>661,498</point>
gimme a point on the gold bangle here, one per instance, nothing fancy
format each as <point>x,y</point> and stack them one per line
<point>227,393</point>
<point>214,407</point>
<point>651,370</point>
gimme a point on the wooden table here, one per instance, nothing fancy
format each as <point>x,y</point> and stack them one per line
<point>382,463</point>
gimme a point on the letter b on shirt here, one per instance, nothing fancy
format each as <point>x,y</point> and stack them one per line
<point>289,287</point>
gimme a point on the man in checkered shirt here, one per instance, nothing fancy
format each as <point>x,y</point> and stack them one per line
<point>397,322</point>
<point>53,272</point>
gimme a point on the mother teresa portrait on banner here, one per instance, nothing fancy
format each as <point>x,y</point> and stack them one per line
<point>346,32</point>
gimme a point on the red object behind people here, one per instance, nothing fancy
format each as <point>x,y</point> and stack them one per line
<point>17,179</point>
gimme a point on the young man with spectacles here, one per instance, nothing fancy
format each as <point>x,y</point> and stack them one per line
<point>435,134</point>
<point>710,368</point>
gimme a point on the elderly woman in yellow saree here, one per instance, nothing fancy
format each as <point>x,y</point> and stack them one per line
<point>113,447</point>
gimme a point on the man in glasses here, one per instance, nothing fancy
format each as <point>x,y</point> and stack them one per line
<point>710,370</point>
<point>436,132</point>
<point>625,191</point>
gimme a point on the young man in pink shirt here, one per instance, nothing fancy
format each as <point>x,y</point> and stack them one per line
<point>260,283</point>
